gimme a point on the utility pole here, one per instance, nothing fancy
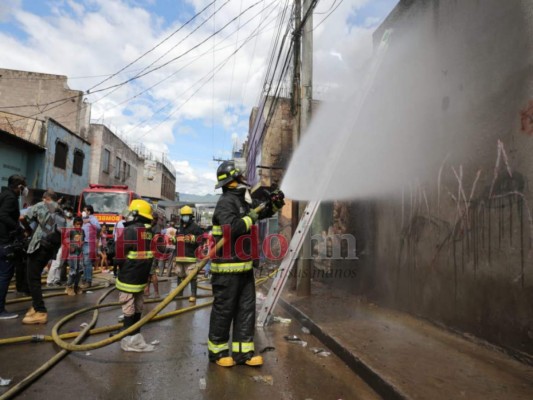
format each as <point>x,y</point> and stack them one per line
<point>295,110</point>
<point>303,277</point>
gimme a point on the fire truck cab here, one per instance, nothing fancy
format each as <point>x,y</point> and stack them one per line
<point>108,201</point>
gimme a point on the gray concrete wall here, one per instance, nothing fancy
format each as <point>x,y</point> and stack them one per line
<point>102,138</point>
<point>150,181</point>
<point>456,246</point>
<point>33,94</point>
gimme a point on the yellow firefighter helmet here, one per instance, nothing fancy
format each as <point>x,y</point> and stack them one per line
<point>142,207</point>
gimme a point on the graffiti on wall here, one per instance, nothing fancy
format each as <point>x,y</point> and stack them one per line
<point>476,222</point>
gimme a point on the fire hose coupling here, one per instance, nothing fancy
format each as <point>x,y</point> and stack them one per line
<point>37,338</point>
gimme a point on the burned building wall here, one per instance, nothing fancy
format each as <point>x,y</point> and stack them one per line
<point>457,246</point>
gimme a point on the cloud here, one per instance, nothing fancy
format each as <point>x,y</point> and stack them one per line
<point>8,8</point>
<point>193,181</point>
<point>88,38</point>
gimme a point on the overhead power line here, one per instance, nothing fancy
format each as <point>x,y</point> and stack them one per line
<point>153,48</point>
<point>182,68</point>
<point>181,55</point>
<point>208,77</point>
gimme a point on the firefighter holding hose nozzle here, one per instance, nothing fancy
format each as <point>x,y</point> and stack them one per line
<point>232,274</point>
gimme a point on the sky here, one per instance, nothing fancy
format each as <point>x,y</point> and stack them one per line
<point>180,109</point>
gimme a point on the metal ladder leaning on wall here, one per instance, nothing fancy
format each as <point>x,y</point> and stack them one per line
<point>286,264</point>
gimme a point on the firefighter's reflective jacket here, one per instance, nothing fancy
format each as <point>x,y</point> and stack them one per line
<point>230,217</point>
<point>188,242</point>
<point>133,274</point>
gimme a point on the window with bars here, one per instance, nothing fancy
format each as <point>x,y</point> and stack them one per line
<point>60,157</point>
<point>77,165</point>
<point>106,161</point>
<point>117,167</point>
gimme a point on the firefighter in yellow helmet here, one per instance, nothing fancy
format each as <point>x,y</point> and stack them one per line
<point>133,274</point>
<point>189,238</point>
<point>232,276</point>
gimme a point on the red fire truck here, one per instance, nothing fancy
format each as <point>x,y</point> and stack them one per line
<point>108,202</point>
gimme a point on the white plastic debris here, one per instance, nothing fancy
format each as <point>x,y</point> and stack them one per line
<point>202,384</point>
<point>305,330</point>
<point>84,325</point>
<point>281,320</point>
<point>5,382</point>
<point>88,353</point>
<point>89,292</point>
<point>155,342</point>
<point>295,339</point>
<point>121,318</point>
<point>320,352</point>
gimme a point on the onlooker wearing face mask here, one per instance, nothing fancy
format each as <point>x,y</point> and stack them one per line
<point>91,229</point>
<point>9,216</point>
<point>43,246</point>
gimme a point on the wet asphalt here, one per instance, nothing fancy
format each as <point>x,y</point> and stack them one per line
<point>178,366</point>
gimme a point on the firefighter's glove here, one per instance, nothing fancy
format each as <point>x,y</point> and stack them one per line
<point>253,215</point>
<point>277,200</point>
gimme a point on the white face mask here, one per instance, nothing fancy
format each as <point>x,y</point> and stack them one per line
<point>25,192</point>
<point>84,214</point>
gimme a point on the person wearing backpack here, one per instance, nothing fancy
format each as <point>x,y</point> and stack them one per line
<point>44,244</point>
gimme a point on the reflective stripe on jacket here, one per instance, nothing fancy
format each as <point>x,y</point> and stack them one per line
<point>133,274</point>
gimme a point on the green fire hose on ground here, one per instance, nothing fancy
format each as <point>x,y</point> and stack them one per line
<point>151,314</point>
<point>79,336</point>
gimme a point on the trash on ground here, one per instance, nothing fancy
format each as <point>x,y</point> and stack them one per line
<point>89,292</point>
<point>121,318</point>
<point>5,382</point>
<point>305,330</point>
<point>320,352</point>
<point>202,384</point>
<point>155,342</point>
<point>292,338</point>
<point>282,320</point>
<point>88,353</point>
<point>268,348</point>
<point>295,339</point>
<point>267,379</point>
<point>84,325</point>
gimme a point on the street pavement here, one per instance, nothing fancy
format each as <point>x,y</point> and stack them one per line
<point>404,357</point>
<point>178,367</point>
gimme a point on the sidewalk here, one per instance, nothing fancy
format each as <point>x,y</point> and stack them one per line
<point>404,357</point>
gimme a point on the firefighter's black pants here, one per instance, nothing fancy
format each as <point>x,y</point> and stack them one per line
<point>234,302</point>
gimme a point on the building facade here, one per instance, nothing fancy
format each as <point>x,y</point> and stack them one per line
<point>48,154</point>
<point>22,147</point>
<point>157,180</point>
<point>113,162</point>
<point>454,244</point>
<point>66,161</point>
<point>38,95</point>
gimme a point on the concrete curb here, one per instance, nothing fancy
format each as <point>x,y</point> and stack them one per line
<point>372,377</point>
